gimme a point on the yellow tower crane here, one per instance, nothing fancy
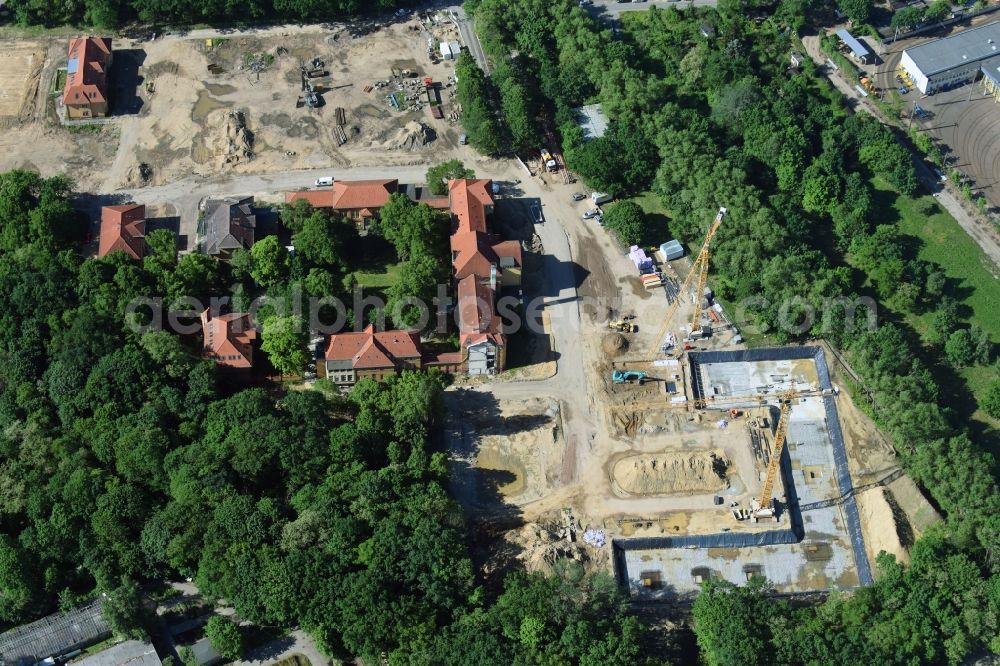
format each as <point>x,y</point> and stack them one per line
<point>764,507</point>
<point>699,268</point>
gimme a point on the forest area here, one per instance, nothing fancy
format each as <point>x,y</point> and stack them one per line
<point>126,460</point>
<point>722,120</point>
<point>108,14</point>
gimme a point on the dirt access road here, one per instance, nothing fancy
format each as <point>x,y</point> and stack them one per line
<point>986,237</point>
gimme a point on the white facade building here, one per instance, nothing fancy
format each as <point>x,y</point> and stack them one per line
<point>951,61</point>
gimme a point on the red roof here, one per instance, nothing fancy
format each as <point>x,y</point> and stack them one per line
<point>228,339</point>
<point>473,253</point>
<point>368,349</point>
<point>316,198</point>
<point>355,194</point>
<point>476,319</point>
<point>123,228</point>
<point>87,70</point>
<point>469,200</point>
<point>365,195</point>
<point>508,248</point>
<point>440,203</point>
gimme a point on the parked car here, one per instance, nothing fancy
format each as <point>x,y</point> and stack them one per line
<point>903,90</point>
<point>324,181</point>
<point>591,213</point>
<point>579,196</point>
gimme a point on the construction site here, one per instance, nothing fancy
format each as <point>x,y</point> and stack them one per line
<point>688,456</point>
<point>277,99</point>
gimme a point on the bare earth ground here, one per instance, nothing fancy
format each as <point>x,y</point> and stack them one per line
<point>184,126</point>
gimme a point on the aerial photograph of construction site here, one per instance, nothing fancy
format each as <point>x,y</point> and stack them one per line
<point>569,332</point>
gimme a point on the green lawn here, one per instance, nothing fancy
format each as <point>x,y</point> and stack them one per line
<point>973,279</point>
<point>379,279</point>
<point>657,217</point>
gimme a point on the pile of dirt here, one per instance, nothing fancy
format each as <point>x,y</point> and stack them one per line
<point>541,546</point>
<point>238,139</point>
<point>614,344</point>
<point>411,136</point>
<point>670,472</point>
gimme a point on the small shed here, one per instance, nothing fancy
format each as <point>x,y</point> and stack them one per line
<point>671,250</point>
<point>797,59</point>
<point>639,258</point>
<point>707,31</point>
<point>455,48</point>
<point>858,50</point>
<point>445,51</point>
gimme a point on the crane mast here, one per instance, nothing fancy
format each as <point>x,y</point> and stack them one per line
<point>764,508</point>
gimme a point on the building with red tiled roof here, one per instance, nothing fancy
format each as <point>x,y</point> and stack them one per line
<point>123,228</point>
<point>229,340</point>
<point>358,200</point>
<point>480,330</point>
<point>355,355</point>
<point>470,203</point>
<point>86,91</point>
<point>477,253</point>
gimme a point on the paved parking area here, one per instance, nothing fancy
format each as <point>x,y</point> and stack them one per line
<point>965,122</point>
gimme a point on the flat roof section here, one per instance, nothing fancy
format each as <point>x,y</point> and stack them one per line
<point>950,52</point>
<point>592,121</point>
<point>859,49</point>
<point>127,653</point>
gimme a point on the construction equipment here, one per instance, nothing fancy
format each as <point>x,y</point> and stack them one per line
<point>868,85</point>
<point>628,376</point>
<point>623,326</point>
<point>699,268</point>
<point>764,507</point>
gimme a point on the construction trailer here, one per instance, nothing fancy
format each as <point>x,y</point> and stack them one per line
<point>671,250</point>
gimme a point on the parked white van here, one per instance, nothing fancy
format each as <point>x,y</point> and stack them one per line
<point>324,181</point>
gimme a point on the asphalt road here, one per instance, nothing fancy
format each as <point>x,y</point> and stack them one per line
<point>469,37</point>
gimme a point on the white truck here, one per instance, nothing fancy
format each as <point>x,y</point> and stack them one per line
<point>600,197</point>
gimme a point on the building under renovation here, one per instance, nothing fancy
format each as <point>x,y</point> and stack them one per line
<point>953,61</point>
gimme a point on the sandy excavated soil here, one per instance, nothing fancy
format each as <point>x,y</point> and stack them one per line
<point>187,124</point>
<point>20,71</point>
<point>669,472</point>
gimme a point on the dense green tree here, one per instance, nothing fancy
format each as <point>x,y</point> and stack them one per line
<point>859,11</point>
<point>991,401</point>
<point>225,636</point>
<point>326,241</point>
<point>271,264</point>
<point>285,341</point>
<point>439,175</point>
<point>960,349</point>
<point>732,622</point>
<point>414,229</point>
<point>627,221</point>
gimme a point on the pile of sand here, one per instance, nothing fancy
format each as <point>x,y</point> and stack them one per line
<point>614,344</point>
<point>882,530</point>
<point>670,472</point>
<point>412,136</point>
